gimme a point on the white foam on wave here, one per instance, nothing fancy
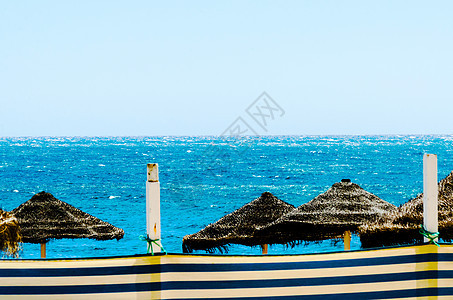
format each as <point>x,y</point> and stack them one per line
<point>113,197</point>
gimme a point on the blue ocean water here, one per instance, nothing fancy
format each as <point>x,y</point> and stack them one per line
<point>204,178</point>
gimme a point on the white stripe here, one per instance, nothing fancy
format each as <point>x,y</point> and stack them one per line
<point>298,291</point>
<point>80,263</point>
<point>76,280</point>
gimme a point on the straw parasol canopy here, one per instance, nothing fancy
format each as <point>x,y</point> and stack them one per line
<point>342,208</point>
<point>402,225</point>
<point>239,226</point>
<point>10,237</point>
<point>44,217</point>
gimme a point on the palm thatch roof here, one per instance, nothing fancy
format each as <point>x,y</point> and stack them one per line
<point>239,226</point>
<point>402,225</point>
<point>344,207</point>
<point>44,217</point>
<point>10,237</point>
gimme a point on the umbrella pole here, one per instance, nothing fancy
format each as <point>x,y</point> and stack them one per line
<point>347,240</point>
<point>430,193</point>
<point>43,250</point>
<point>153,208</point>
<point>264,248</point>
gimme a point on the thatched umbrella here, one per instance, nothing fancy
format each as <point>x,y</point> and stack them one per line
<point>239,226</point>
<point>44,217</point>
<point>403,224</point>
<point>341,209</point>
<point>10,237</point>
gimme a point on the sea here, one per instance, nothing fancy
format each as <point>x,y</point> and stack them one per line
<point>204,178</point>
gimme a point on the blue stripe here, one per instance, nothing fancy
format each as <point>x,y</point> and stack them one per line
<point>213,267</point>
<point>73,272</point>
<point>219,285</point>
<point>80,289</point>
<point>293,282</point>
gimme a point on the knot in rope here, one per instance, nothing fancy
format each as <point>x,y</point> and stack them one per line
<point>431,236</point>
<point>151,242</point>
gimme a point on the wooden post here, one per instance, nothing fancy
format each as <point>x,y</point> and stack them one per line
<point>430,192</point>
<point>43,250</point>
<point>347,240</point>
<point>264,248</point>
<point>153,206</point>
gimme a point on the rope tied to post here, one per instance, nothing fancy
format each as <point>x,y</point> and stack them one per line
<point>151,242</point>
<point>431,236</point>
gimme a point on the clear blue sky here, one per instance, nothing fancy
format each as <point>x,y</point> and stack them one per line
<point>193,67</point>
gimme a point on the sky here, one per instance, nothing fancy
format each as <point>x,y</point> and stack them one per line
<point>134,68</point>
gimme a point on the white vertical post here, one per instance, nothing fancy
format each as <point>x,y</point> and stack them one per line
<point>153,206</point>
<point>430,192</point>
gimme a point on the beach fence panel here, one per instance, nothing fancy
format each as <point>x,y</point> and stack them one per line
<point>405,272</point>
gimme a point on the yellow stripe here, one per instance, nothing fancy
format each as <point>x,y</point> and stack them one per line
<point>429,283</point>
